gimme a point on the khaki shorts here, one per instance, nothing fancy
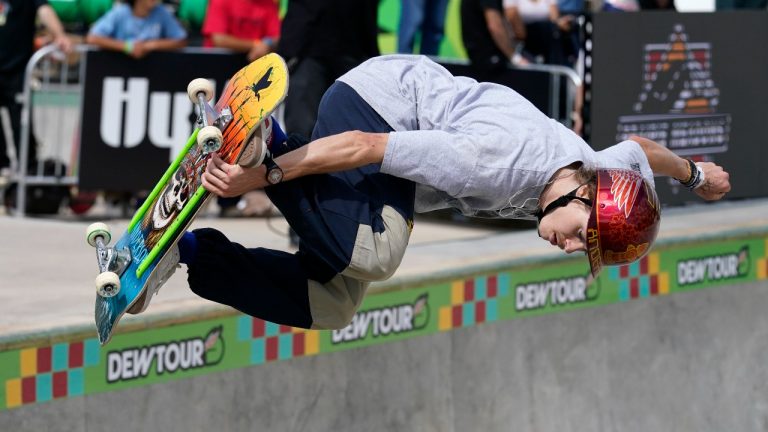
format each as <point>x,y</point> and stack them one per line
<point>375,257</point>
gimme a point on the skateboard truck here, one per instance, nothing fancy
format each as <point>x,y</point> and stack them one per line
<point>112,262</point>
<point>111,259</point>
<point>220,120</point>
<point>210,123</point>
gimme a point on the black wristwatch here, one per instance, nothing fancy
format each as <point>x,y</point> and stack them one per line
<point>274,172</point>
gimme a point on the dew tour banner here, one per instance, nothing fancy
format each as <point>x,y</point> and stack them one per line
<point>701,93</point>
<point>80,367</point>
<point>136,115</point>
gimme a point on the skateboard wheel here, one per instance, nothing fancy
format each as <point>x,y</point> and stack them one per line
<point>200,85</point>
<point>209,139</point>
<point>253,153</point>
<point>107,284</point>
<point>95,230</point>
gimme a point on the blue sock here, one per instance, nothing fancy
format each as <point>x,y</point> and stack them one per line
<point>187,248</point>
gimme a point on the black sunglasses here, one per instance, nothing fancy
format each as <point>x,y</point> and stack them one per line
<point>562,202</point>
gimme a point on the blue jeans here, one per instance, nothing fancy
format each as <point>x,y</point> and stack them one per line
<point>425,15</point>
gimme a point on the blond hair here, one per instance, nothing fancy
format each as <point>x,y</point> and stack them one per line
<point>588,176</point>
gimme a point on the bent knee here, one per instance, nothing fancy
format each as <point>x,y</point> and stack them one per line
<point>378,270</point>
<point>376,256</point>
<point>334,322</point>
<point>334,304</point>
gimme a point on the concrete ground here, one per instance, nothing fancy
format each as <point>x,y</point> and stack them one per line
<point>47,269</point>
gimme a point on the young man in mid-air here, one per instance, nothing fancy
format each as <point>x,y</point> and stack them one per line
<point>398,135</point>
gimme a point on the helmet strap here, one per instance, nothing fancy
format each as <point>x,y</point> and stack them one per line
<point>562,202</point>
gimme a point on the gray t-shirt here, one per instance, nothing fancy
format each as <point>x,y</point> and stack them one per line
<point>478,147</point>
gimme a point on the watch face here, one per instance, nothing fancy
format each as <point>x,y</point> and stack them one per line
<point>275,176</point>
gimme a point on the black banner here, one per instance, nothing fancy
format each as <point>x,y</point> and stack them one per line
<point>695,83</point>
<point>136,114</point>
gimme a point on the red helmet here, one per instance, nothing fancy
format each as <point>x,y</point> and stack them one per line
<point>624,221</point>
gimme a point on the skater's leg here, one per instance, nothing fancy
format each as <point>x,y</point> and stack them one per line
<point>268,284</point>
<point>264,283</point>
<point>354,227</point>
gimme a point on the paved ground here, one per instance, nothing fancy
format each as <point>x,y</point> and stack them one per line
<point>47,269</point>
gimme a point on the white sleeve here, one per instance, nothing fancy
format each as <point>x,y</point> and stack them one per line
<point>510,3</point>
<point>627,155</point>
<point>443,160</point>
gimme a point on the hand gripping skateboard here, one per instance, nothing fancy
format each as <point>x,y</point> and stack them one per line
<point>134,268</point>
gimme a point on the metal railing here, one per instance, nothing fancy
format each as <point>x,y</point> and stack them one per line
<point>557,73</point>
<point>47,72</point>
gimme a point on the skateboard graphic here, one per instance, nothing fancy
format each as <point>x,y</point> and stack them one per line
<point>139,263</point>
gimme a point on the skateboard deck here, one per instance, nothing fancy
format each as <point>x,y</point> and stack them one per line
<point>248,99</point>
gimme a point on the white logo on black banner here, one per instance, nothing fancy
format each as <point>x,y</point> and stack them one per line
<point>130,113</point>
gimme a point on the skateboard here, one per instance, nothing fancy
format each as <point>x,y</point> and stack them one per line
<point>134,268</point>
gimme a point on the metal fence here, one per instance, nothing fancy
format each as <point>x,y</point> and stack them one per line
<point>573,86</point>
<point>51,95</point>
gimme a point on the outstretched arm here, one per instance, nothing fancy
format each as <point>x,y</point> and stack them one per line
<point>664,162</point>
<point>136,49</point>
<point>334,153</point>
<point>105,43</point>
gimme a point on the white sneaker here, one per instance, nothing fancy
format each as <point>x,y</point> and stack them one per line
<point>165,269</point>
<point>257,146</point>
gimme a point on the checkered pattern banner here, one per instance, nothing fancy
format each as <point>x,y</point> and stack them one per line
<point>270,342</point>
<point>51,372</point>
<point>762,264</point>
<point>640,279</point>
<point>474,301</point>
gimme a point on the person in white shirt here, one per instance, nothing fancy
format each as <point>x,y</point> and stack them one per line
<point>539,26</point>
<point>397,135</point>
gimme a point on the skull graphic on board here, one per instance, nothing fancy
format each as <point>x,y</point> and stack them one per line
<point>172,199</point>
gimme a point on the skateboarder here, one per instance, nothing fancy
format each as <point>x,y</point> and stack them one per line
<point>398,135</point>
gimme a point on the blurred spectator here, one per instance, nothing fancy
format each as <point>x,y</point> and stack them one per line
<point>251,27</point>
<point>322,40</point>
<point>740,4</point>
<point>426,16</point>
<point>570,10</point>
<point>538,24</point>
<point>621,6</point>
<point>487,37</point>
<point>137,27</point>
<point>657,5</point>
<point>17,32</point>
